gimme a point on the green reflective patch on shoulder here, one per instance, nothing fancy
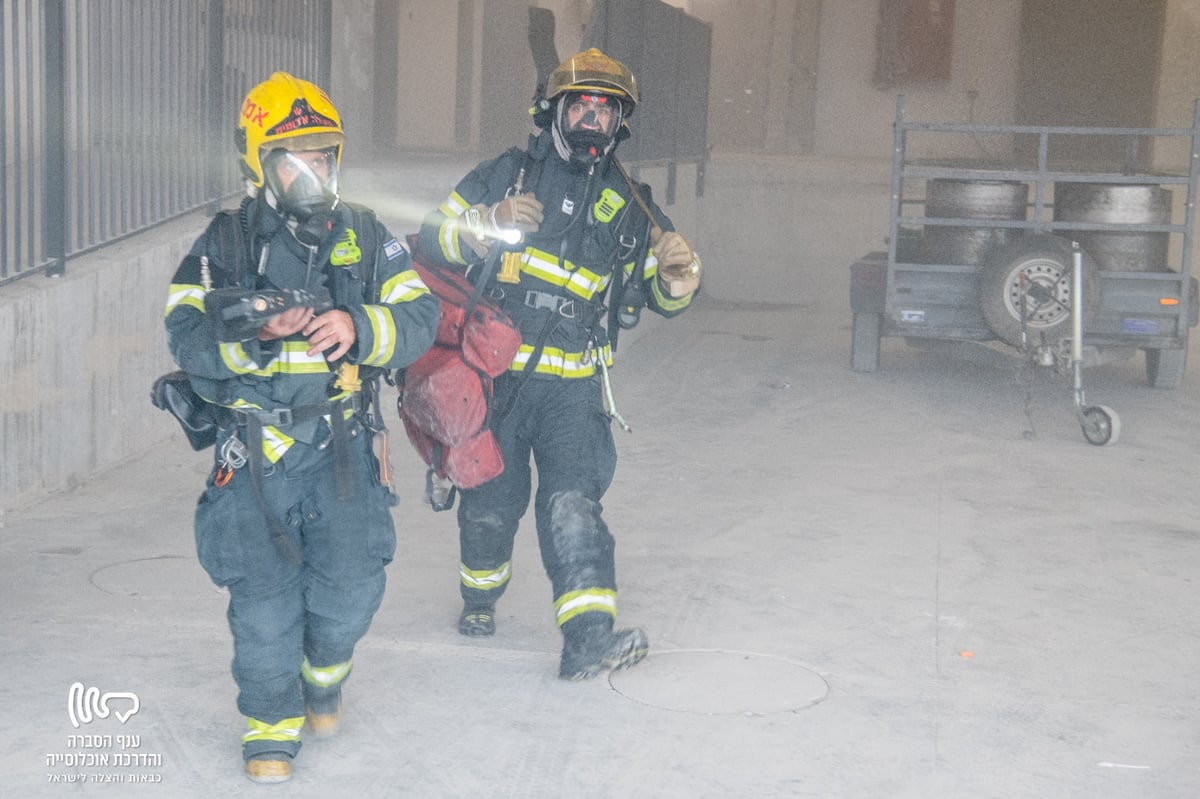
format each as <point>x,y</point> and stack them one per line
<point>607,206</point>
<point>346,252</point>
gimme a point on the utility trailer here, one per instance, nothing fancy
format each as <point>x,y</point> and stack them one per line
<point>981,249</point>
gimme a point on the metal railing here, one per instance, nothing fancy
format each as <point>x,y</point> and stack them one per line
<point>119,114</point>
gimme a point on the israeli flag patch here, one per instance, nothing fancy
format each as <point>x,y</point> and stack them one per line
<point>392,249</point>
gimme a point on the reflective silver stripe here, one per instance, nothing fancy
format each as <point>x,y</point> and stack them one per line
<point>554,361</point>
<point>572,604</point>
<point>285,730</point>
<point>325,676</point>
<point>485,579</point>
<point>581,282</point>
<point>235,357</point>
<point>402,287</point>
<point>185,294</point>
<point>383,330</point>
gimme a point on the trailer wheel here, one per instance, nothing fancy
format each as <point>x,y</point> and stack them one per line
<point>864,345</point>
<point>1101,425</point>
<point>1038,268</point>
<point>1165,368</point>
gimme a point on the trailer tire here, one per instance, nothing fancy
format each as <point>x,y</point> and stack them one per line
<point>864,342</point>
<point>1047,264</point>
<point>1165,368</point>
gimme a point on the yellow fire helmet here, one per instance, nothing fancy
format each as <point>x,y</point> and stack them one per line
<point>593,71</point>
<point>285,112</point>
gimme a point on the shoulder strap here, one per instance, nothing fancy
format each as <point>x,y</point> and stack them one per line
<point>529,172</point>
<point>626,293</point>
<point>368,244</point>
<point>231,244</point>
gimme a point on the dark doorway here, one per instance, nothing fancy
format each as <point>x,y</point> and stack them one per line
<point>1089,63</point>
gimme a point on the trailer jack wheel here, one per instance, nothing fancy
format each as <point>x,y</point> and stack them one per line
<point>1101,425</point>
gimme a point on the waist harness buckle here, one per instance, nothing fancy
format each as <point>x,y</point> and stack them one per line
<point>276,417</point>
<point>560,305</point>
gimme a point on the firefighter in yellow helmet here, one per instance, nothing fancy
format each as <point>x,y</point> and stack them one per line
<point>295,519</point>
<point>557,230</point>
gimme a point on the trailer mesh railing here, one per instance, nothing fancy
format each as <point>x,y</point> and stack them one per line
<point>119,114</point>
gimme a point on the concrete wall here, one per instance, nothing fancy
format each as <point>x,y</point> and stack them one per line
<point>81,353</point>
<point>352,82</point>
<point>854,118</point>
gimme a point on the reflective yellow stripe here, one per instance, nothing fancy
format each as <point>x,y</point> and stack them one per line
<point>554,361</point>
<point>325,676</point>
<point>185,294</point>
<point>579,281</point>
<point>453,207</point>
<point>589,600</point>
<point>234,356</point>
<point>293,359</point>
<point>383,334</point>
<point>665,301</point>
<point>485,579</point>
<point>402,287</point>
<point>275,442</point>
<point>286,730</point>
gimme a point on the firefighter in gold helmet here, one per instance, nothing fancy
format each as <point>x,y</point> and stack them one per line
<point>295,519</point>
<point>556,230</point>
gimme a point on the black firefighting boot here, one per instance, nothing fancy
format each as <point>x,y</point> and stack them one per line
<point>323,696</point>
<point>323,710</point>
<point>591,647</point>
<point>477,621</point>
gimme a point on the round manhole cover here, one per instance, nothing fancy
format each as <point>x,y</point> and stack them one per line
<point>720,682</point>
<point>164,577</point>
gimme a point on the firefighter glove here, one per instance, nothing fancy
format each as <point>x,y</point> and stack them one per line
<point>678,264</point>
<point>520,212</point>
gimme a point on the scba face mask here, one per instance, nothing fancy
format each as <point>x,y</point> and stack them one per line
<point>585,124</point>
<point>303,182</point>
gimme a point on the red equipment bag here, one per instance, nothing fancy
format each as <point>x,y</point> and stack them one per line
<point>446,394</point>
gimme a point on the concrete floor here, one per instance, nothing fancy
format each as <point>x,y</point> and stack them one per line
<point>917,583</point>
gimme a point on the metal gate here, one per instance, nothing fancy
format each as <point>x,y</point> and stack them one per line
<point>118,114</point>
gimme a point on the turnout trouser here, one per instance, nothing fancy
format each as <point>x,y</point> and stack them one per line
<point>563,425</point>
<point>286,616</point>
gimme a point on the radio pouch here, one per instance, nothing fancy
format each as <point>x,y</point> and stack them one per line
<point>173,393</point>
